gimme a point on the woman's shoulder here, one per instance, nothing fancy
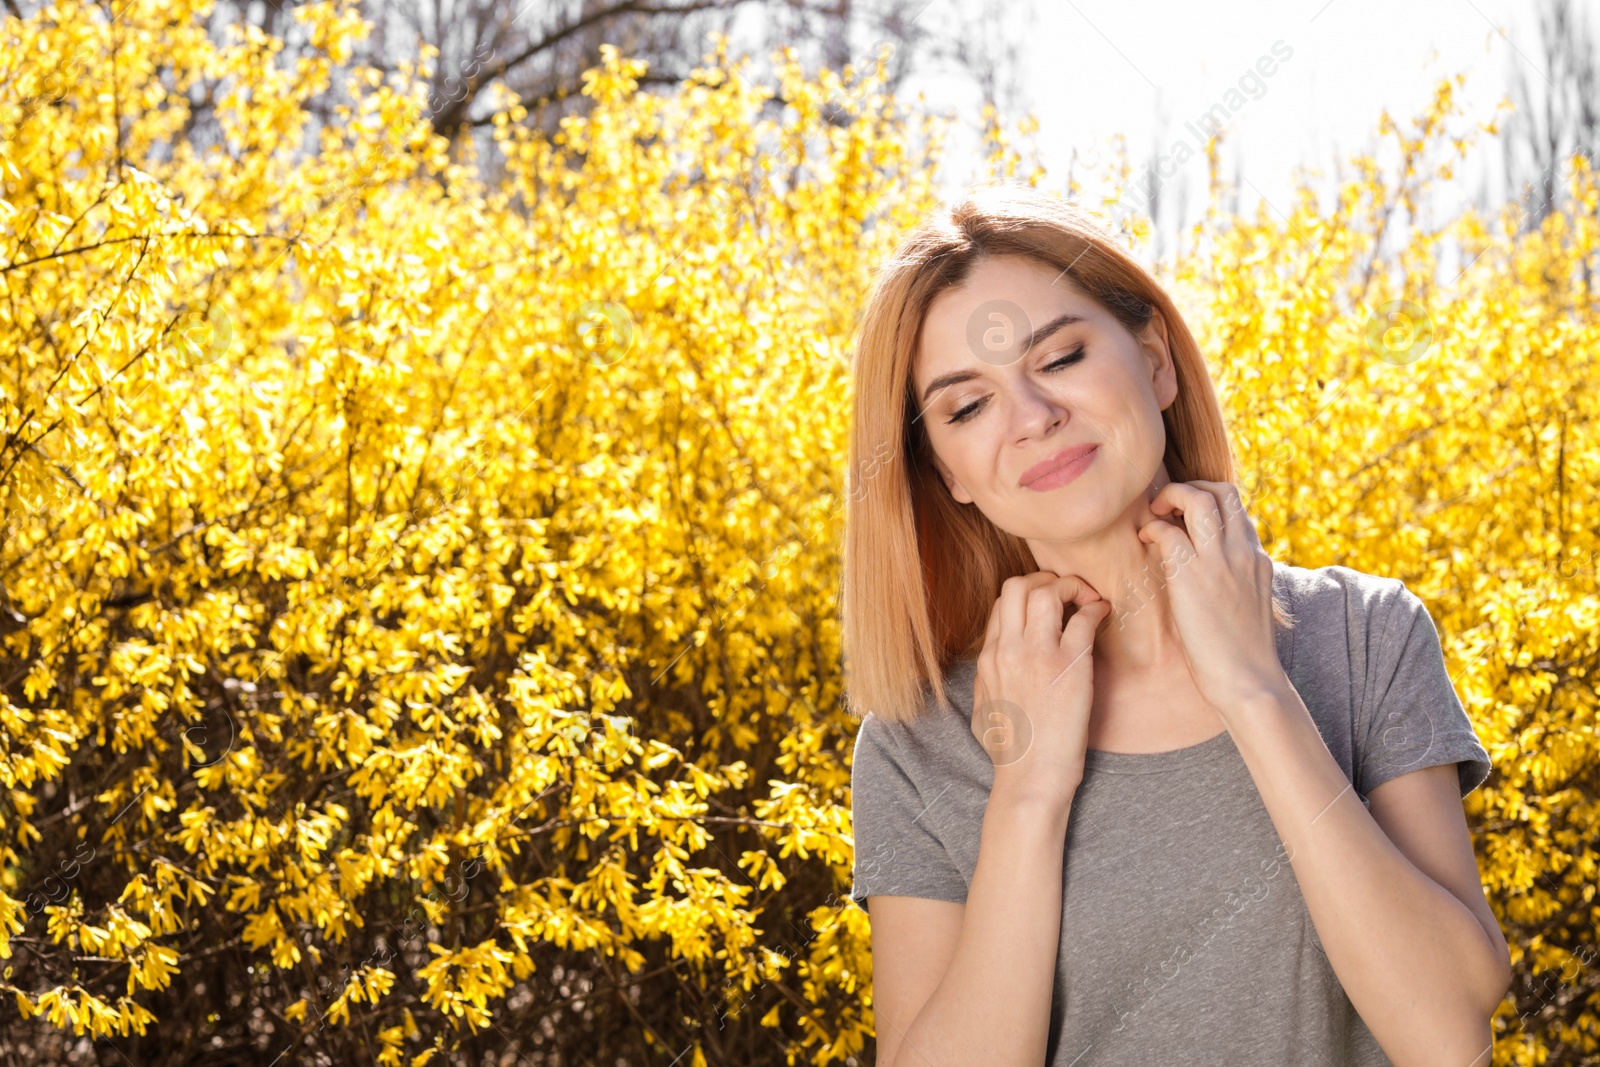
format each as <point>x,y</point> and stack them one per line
<point>939,734</point>
<point>1334,589</point>
<point>1344,619</point>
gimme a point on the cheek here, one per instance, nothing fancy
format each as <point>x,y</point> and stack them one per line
<point>1145,412</point>
<point>1151,445</point>
<point>1125,415</point>
<point>964,457</point>
<point>1132,434</point>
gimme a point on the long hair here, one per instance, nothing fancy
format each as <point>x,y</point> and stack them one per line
<point>921,571</point>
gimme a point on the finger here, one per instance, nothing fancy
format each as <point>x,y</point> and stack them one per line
<point>1201,517</point>
<point>1240,536</point>
<point>1075,594</point>
<point>1045,606</point>
<point>1074,590</point>
<point>991,632</point>
<point>1238,527</point>
<point>1172,543</point>
<point>1077,637</point>
<point>1014,594</point>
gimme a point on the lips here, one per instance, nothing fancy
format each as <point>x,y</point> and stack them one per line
<point>1055,462</point>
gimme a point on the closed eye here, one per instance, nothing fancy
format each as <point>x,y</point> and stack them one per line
<point>972,409</point>
<point>1067,360</point>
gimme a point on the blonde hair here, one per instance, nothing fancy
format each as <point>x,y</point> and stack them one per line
<point>921,571</point>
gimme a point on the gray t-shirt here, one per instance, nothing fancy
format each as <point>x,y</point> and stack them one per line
<point>1184,935</point>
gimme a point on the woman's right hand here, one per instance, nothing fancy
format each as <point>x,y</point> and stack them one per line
<point>1035,684</point>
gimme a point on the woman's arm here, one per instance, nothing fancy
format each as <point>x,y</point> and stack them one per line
<point>1418,966</point>
<point>993,1004</point>
<point>1412,957</point>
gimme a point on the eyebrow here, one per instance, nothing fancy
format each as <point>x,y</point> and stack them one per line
<point>944,381</point>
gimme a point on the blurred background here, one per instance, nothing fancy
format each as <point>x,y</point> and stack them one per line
<point>1143,78</point>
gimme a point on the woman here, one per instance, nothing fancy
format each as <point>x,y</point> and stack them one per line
<point>1214,817</point>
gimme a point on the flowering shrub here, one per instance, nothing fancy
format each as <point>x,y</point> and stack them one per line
<point>419,584</point>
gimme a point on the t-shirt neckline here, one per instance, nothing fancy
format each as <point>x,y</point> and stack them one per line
<point>1151,762</point>
<point>1211,747</point>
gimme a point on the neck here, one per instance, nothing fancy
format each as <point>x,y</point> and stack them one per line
<point>1141,634</point>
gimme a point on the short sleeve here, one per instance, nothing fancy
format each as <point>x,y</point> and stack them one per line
<point>1416,718</point>
<point>896,850</point>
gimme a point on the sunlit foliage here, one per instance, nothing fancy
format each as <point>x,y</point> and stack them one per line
<point>418,579</point>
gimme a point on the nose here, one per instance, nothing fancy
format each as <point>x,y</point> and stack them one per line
<point>1035,410</point>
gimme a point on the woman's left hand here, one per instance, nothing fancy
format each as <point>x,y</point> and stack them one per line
<point>1219,583</point>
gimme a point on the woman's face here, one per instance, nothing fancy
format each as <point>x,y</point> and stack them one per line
<point>999,412</point>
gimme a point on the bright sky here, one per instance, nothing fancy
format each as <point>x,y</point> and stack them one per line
<point>1094,68</point>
